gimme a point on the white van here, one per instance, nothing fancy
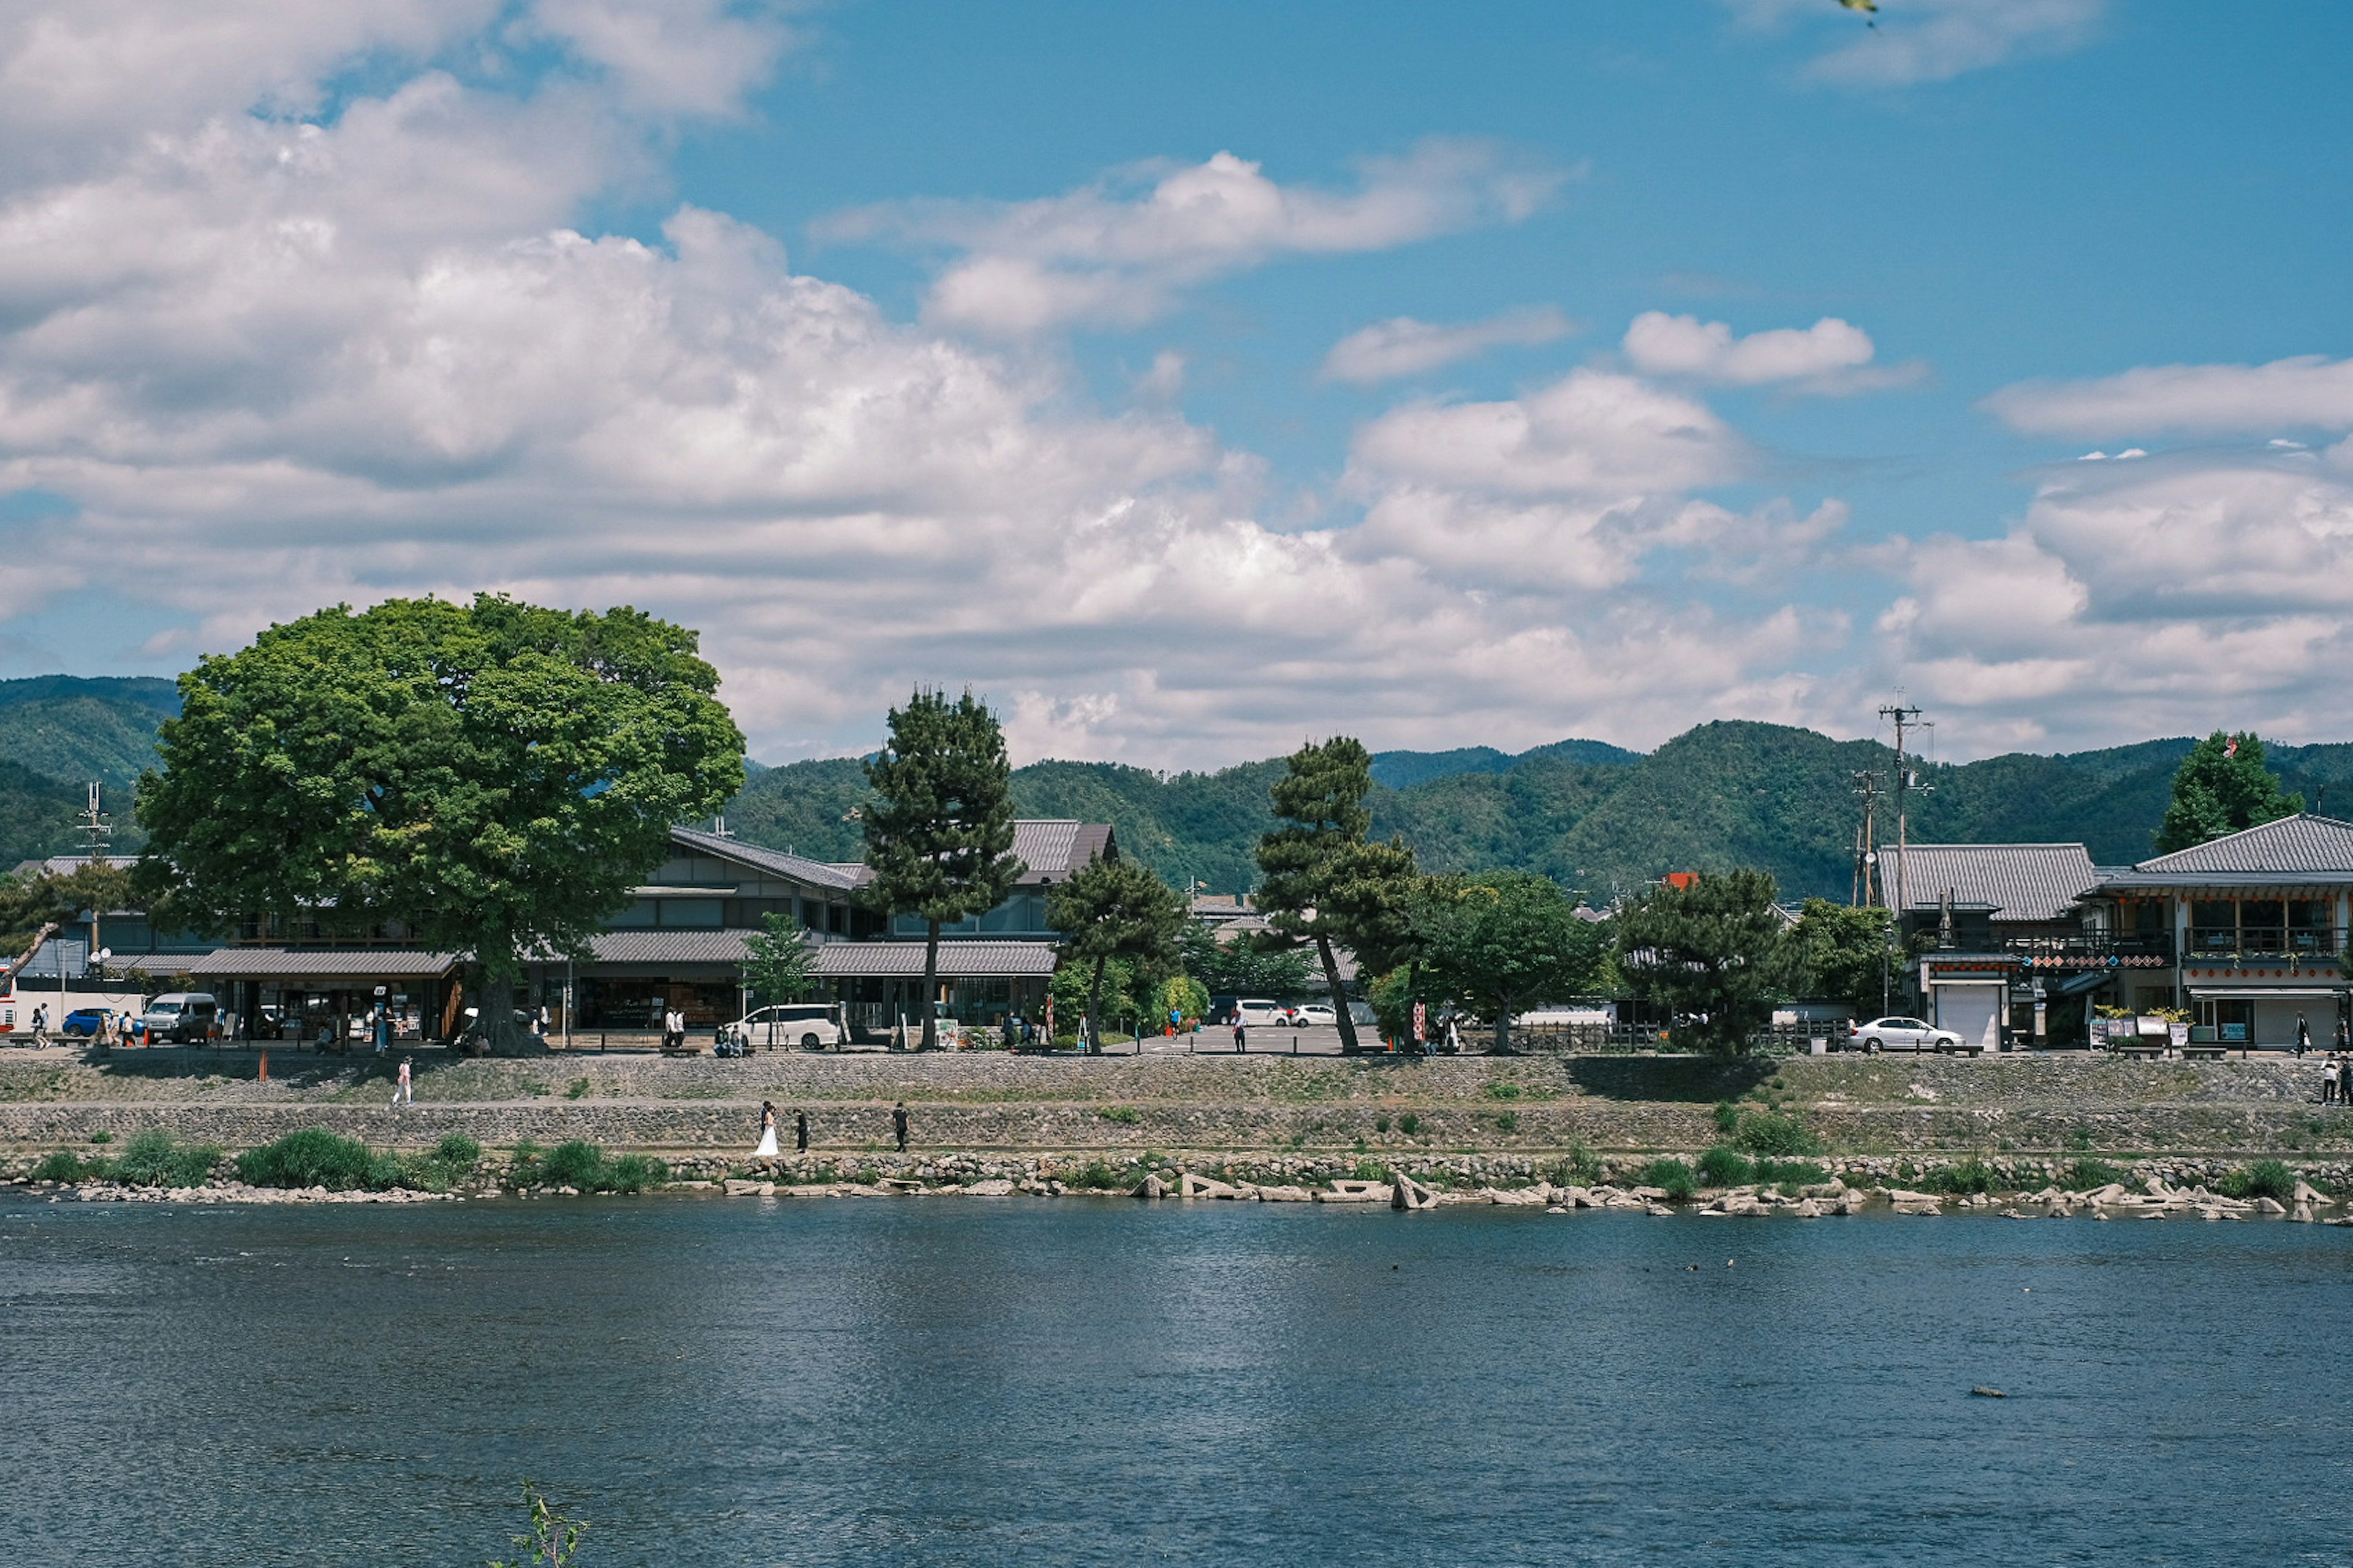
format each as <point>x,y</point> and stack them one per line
<point>811,1025</point>
<point>1259,1013</point>
<point>180,1017</point>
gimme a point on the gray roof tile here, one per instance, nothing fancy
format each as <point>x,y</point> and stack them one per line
<point>2291,846</point>
<point>323,964</point>
<point>958,960</point>
<point>776,862</point>
<point>2021,881</point>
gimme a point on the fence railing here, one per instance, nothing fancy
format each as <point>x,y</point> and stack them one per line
<point>2267,941</point>
<point>1628,1039</point>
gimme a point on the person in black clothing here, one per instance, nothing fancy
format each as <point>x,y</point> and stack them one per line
<point>899,1124</point>
<point>800,1130</point>
<point>2303,1036</point>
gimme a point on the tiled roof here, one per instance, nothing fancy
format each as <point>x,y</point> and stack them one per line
<point>347,963</point>
<point>958,960</point>
<point>1046,846</point>
<point>2021,881</point>
<point>776,862</point>
<point>2303,845</point>
<point>668,946</point>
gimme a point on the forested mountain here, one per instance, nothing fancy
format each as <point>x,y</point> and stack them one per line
<point>1598,818</point>
<point>59,734</point>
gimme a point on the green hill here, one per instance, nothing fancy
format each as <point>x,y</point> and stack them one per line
<point>1597,818</point>
<point>77,729</point>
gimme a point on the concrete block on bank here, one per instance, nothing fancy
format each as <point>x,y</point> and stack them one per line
<point>1193,1187</point>
<point>739,1188</point>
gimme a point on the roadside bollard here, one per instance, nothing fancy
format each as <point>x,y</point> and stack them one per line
<point>1294,1044</point>
<point>264,1074</point>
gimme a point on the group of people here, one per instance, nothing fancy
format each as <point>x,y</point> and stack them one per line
<point>767,1144</point>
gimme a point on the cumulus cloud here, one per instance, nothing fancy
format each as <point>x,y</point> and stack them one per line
<point>1123,251</point>
<point>1933,40</point>
<point>2308,391</point>
<point>1402,346</point>
<point>1830,356</point>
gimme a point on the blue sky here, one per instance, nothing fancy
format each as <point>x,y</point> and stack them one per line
<point>1194,378</point>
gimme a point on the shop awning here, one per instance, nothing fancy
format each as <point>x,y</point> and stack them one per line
<point>322,964</point>
<point>2272,992</point>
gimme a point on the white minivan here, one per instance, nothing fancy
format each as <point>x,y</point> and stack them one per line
<point>1259,1013</point>
<point>811,1025</point>
<point>180,1016</point>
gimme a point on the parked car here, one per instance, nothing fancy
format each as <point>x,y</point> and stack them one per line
<point>1258,1012</point>
<point>1902,1034</point>
<point>83,1021</point>
<point>811,1025</point>
<point>1315,1015</point>
<point>179,1017</point>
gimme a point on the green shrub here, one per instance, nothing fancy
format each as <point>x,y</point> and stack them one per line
<point>1727,1117</point>
<point>1791,1173</point>
<point>154,1159</point>
<point>1503,1091</point>
<point>634,1173</point>
<point>2083,1175</point>
<point>2264,1179</point>
<point>1578,1168</point>
<point>577,1089</point>
<point>1099,1177</point>
<point>1125,1115</point>
<point>573,1164</point>
<point>102,1136</point>
<point>456,1149</point>
<point>1507,1122</point>
<point>1766,1132</point>
<point>1380,1123</point>
<point>1971,1175</point>
<point>1724,1166</point>
<point>1670,1176</point>
<point>315,1157</point>
<point>1410,1124</point>
<point>1370,1171</point>
<point>65,1165</point>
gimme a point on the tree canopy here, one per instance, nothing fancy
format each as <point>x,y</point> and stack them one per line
<point>1115,909</point>
<point>1501,940</point>
<point>777,964</point>
<point>47,898</point>
<point>939,832</point>
<point>489,777</point>
<point>2223,787</point>
<point>1843,955</point>
<point>1242,968</point>
<point>1713,951</point>
<point>1324,884</point>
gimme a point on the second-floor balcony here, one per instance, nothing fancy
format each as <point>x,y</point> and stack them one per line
<point>2094,950</point>
<point>2266,942</point>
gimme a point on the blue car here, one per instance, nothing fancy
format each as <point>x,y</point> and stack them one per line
<point>82,1021</point>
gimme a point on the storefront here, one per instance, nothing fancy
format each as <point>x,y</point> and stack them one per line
<point>327,995</point>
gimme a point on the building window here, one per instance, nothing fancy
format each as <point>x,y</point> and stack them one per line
<point>692,913</point>
<point>638,916</point>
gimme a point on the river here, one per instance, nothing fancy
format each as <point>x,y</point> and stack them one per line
<point>998,1382</point>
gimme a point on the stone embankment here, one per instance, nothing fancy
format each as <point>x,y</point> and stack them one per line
<point>1400,1108</point>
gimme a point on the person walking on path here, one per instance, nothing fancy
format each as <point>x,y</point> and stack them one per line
<point>767,1144</point>
<point>403,1092</point>
<point>899,1124</point>
<point>2328,1081</point>
<point>1241,1032</point>
<point>2345,1081</point>
<point>2303,1036</point>
<point>801,1132</point>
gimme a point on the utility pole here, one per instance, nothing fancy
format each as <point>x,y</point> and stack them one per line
<point>1904,783</point>
<point>97,832</point>
<point>1866,891</point>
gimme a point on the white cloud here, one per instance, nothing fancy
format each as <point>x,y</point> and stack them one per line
<point>2308,391</point>
<point>1123,251</point>
<point>1932,40</point>
<point>1830,356</point>
<point>1402,346</point>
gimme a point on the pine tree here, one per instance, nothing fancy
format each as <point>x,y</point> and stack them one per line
<point>1501,940</point>
<point>1115,909</point>
<point>1714,953</point>
<point>939,834</point>
<point>1324,885</point>
<point>2223,787</point>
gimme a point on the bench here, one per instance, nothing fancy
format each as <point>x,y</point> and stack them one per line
<point>2149,1051</point>
<point>2205,1050</point>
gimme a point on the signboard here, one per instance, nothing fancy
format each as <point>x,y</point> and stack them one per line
<point>1421,1020</point>
<point>2099,1032</point>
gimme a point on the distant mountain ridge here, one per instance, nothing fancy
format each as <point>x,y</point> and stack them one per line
<point>1597,817</point>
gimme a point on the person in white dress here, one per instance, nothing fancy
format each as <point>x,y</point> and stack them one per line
<point>768,1130</point>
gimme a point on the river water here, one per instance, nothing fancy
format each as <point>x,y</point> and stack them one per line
<point>1001,1381</point>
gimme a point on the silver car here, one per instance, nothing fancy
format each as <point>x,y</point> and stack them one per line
<point>1902,1034</point>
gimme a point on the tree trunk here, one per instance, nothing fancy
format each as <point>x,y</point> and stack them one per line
<point>1502,1025</point>
<point>1339,997</point>
<point>496,1018</point>
<point>1095,1011</point>
<point>931,986</point>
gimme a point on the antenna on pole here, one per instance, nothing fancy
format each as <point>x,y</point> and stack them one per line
<point>1868,887</point>
<point>1906,781</point>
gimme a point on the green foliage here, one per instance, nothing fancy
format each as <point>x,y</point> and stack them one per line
<point>1501,940</point>
<point>1579,1167</point>
<point>1116,911</point>
<point>492,776</point>
<point>1507,1122</point>
<point>1791,1173</point>
<point>1842,954</point>
<point>155,1159</point>
<point>1410,1124</point>
<point>1242,968</point>
<point>778,964</point>
<point>1069,988</point>
<point>102,1136</point>
<point>584,1166</point>
<point>2264,1179</point>
<point>315,1157</point>
<point>1502,1091</point>
<point>575,1163</point>
<point>1714,952</point>
<point>1724,1166</point>
<point>939,831</point>
<point>1771,1133</point>
<point>2084,1175</point>
<point>577,1089</point>
<point>1184,995</point>
<point>1971,1175</point>
<point>554,1538</point>
<point>1324,884</point>
<point>2223,787</point>
<point>1670,1176</point>
<point>28,903</point>
<point>1124,1115</point>
<point>65,1165</point>
<point>456,1149</point>
<point>1726,1116</point>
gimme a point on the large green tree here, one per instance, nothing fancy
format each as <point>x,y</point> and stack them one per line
<point>1115,909</point>
<point>1500,940</point>
<point>1713,951</point>
<point>30,903</point>
<point>1239,967</point>
<point>778,965</point>
<point>1843,955</point>
<point>492,777</point>
<point>1323,883</point>
<point>2223,787</point>
<point>939,832</point>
